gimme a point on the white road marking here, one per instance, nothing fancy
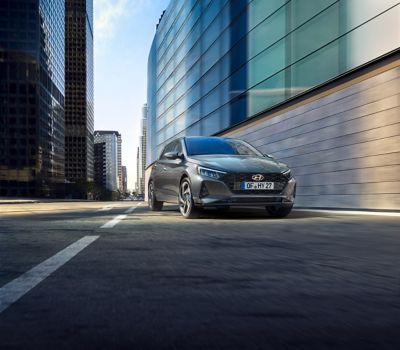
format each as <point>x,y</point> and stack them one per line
<point>105,208</point>
<point>114,221</point>
<point>351,212</point>
<point>118,218</point>
<point>131,210</point>
<point>18,287</point>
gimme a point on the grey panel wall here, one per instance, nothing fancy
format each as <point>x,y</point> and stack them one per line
<point>344,148</point>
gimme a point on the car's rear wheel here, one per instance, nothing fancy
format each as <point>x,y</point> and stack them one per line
<point>154,204</point>
<point>186,203</point>
<point>279,212</point>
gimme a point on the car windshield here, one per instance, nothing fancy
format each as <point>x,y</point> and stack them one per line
<point>214,145</point>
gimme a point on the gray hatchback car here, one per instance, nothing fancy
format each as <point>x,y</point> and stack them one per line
<point>217,172</point>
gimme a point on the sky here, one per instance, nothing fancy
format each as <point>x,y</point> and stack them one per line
<point>123,33</point>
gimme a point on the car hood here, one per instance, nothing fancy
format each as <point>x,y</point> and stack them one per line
<point>240,164</point>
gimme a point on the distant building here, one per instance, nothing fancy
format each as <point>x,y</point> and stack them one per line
<point>111,140</point>
<point>137,170</point>
<point>124,179</point>
<point>79,114</point>
<point>32,92</point>
<point>141,161</point>
<point>119,161</point>
<point>100,173</point>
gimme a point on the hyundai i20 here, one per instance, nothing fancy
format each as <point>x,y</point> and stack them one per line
<point>217,172</point>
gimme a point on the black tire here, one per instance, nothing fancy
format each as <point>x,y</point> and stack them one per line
<point>279,212</point>
<point>154,204</point>
<point>186,203</point>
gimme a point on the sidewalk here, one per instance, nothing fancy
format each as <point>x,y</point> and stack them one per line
<point>39,200</point>
<point>17,201</point>
<point>345,211</point>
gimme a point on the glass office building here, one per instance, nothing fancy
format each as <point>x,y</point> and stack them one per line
<point>215,64</point>
<point>107,146</point>
<point>79,111</point>
<point>31,97</point>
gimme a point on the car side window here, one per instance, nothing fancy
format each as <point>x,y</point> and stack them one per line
<point>243,149</point>
<point>163,153</point>
<point>174,146</point>
<point>168,148</point>
<point>178,147</point>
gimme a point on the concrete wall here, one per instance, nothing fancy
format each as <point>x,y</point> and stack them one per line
<point>343,147</point>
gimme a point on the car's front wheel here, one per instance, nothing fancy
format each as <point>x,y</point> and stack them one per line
<point>279,212</point>
<point>186,203</point>
<point>154,204</point>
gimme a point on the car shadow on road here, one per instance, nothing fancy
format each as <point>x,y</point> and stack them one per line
<point>245,214</point>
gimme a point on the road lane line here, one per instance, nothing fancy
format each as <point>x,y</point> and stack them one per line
<point>114,221</point>
<point>105,208</point>
<point>18,287</point>
<point>132,209</point>
<point>118,218</point>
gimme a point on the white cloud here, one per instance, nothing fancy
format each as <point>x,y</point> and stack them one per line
<point>108,13</point>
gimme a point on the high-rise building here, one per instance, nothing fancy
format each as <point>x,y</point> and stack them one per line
<point>119,161</point>
<point>32,94</point>
<point>137,170</point>
<point>142,150</point>
<point>110,139</point>
<point>79,114</point>
<point>100,166</point>
<point>124,179</point>
<point>311,82</point>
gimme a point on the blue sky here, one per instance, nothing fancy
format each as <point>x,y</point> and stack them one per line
<point>124,30</point>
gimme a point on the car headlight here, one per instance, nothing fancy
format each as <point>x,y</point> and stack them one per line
<point>288,174</point>
<point>214,174</point>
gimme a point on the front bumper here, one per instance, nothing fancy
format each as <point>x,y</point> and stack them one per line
<point>215,193</point>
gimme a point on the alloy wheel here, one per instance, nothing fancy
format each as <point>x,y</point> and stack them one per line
<point>185,198</point>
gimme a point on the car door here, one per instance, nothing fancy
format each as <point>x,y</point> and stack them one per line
<point>174,169</point>
<point>159,175</point>
<point>171,170</point>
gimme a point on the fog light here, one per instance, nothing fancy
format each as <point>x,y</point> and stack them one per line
<point>203,190</point>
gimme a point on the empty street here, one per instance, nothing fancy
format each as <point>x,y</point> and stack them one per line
<point>107,275</point>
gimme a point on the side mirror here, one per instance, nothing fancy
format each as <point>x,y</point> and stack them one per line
<point>173,155</point>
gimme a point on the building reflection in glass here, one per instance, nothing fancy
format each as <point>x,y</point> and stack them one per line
<point>31,98</point>
<point>215,64</point>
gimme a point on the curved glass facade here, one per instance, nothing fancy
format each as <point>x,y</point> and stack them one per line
<point>214,64</point>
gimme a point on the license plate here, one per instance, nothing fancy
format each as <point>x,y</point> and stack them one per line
<point>257,185</point>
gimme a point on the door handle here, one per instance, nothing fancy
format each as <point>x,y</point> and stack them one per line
<point>165,169</point>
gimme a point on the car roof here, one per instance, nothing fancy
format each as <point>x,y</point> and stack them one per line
<point>197,137</point>
<point>206,137</point>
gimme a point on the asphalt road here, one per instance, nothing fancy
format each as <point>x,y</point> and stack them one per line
<point>104,276</point>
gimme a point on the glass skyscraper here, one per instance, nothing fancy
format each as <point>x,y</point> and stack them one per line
<point>108,151</point>
<point>141,165</point>
<point>226,67</point>
<point>31,97</point>
<point>79,113</point>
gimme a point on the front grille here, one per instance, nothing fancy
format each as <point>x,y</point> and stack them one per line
<point>233,182</point>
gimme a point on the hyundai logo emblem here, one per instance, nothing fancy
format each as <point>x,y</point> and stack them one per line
<point>258,177</point>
